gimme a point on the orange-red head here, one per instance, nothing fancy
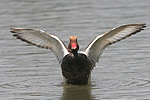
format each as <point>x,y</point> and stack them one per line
<point>73,45</point>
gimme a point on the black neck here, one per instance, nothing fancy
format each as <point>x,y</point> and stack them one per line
<point>75,53</point>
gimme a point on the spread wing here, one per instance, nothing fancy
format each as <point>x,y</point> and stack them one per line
<point>41,39</point>
<point>95,48</point>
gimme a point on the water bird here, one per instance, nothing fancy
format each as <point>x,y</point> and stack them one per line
<point>76,66</point>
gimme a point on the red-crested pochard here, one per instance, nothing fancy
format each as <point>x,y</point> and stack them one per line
<point>76,66</point>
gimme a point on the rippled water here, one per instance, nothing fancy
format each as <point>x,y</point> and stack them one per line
<point>31,73</point>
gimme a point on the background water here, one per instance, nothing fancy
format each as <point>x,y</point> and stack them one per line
<point>31,73</point>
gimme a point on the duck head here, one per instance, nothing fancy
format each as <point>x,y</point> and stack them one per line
<point>73,45</point>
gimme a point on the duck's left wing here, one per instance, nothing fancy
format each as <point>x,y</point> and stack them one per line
<point>41,39</point>
<point>95,48</point>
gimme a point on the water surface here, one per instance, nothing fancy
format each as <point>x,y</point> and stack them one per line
<point>31,73</point>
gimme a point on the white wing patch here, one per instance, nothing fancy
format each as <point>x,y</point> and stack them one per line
<point>41,39</point>
<point>89,46</point>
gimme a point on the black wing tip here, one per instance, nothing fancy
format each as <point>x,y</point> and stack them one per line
<point>12,31</point>
<point>15,35</point>
<point>143,25</point>
<point>136,24</point>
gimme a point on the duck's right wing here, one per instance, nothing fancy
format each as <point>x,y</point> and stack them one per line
<point>41,39</point>
<point>95,48</point>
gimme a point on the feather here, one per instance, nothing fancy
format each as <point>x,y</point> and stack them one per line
<point>41,39</point>
<point>96,47</point>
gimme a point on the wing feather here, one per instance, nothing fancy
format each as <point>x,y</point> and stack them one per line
<point>41,39</point>
<point>95,48</point>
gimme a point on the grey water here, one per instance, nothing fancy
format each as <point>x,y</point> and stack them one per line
<point>31,73</point>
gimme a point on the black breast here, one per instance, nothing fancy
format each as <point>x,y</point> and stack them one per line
<point>76,70</point>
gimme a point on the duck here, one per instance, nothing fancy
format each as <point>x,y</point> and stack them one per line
<point>76,66</point>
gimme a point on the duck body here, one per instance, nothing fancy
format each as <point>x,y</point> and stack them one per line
<point>76,69</point>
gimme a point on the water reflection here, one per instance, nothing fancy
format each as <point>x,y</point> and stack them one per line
<point>77,92</point>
